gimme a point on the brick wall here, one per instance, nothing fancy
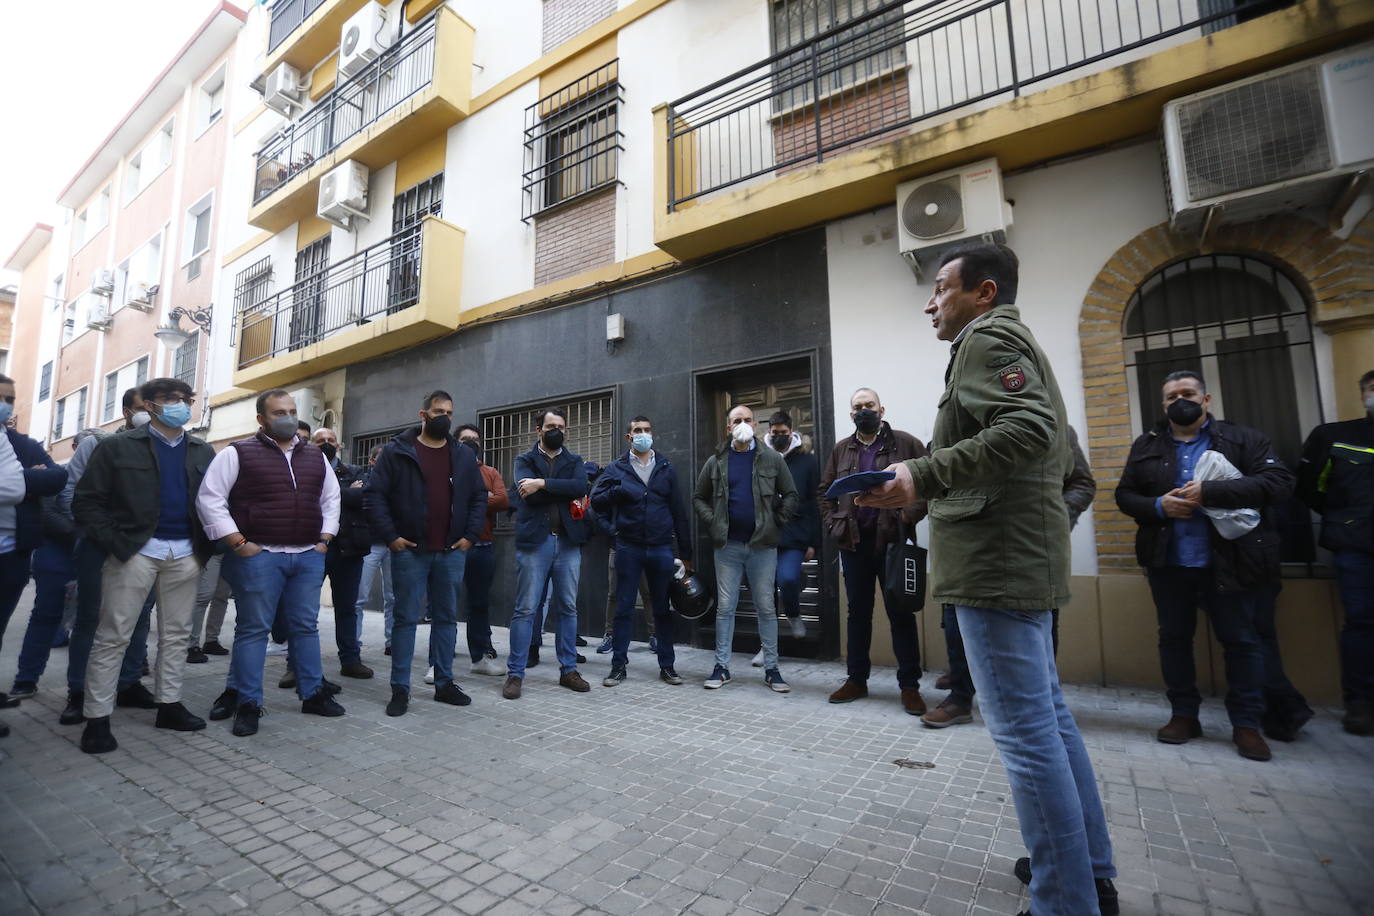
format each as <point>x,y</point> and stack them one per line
<point>565,18</point>
<point>853,112</point>
<point>575,237</point>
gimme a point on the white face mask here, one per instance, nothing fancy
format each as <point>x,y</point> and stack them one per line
<point>140,418</point>
<point>743,432</point>
<point>1369,402</point>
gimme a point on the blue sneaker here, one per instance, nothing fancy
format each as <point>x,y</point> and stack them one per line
<point>607,645</point>
<point>720,676</point>
<point>653,643</point>
<point>773,678</point>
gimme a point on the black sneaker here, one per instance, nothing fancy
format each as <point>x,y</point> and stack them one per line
<point>322,704</point>
<point>532,660</point>
<point>246,719</point>
<point>22,690</point>
<point>330,687</point>
<point>177,718</point>
<point>1107,900</point>
<point>72,713</point>
<point>96,739</point>
<point>581,641</point>
<point>581,659</point>
<point>212,647</point>
<point>6,701</point>
<point>400,699</point>
<point>451,694</point>
<point>225,705</point>
<point>615,678</point>
<point>669,676</point>
<point>135,696</point>
<point>195,655</point>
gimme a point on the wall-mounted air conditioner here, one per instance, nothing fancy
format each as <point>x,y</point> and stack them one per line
<point>343,194</point>
<point>97,312</point>
<point>281,92</point>
<point>364,37</point>
<point>139,297</point>
<point>1285,139</point>
<point>102,282</point>
<point>309,404</point>
<point>940,210</point>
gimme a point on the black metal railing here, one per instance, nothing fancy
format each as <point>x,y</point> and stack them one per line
<point>882,72</point>
<point>353,104</point>
<point>287,15</point>
<point>373,283</point>
<point>573,140</point>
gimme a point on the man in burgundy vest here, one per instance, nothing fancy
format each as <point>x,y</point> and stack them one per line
<point>274,503</point>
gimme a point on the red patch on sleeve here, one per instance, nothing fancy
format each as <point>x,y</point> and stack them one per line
<point>1013,378</point>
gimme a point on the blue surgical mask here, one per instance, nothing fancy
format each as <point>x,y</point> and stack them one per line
<point>6,411</point>
<point>177,415</point>
<point>642,442</point>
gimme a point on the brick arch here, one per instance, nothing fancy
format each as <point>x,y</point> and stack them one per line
<point>1333,274</point>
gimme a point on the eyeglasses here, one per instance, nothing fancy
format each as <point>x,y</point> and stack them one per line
<point>167,400</point>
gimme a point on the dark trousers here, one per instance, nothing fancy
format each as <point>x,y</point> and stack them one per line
<point>49,602</point>
<point>633,561</point>
<point>1178,591</point>
<point>477,579</point>
<point>344,574</point>
<point>90,560</point>
<point>863,569</point>
<point>1355,578</point>
<point>961,690</point>
<point>789,580</point>
<point>14,575</point>
<point>1282,701</point>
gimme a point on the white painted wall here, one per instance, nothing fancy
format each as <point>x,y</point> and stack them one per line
<point>509,36</point>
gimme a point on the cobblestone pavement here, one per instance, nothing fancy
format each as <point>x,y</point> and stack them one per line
<point>646,798</point>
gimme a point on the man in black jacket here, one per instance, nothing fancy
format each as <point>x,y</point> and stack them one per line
<point>136,502</point>
<point>426,498</point>
<point>800,538</point>
<point>1189,563</point>
<point>343,565</point>
<point>1336,480</point>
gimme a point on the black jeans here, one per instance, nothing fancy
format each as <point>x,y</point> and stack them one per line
<point>477,578</point>
<point>961,690</point>
<point>1282,701</point>
<point>863,570</point>
<point>344,574</point>
<point>1178,591</point>
<point>14,575</point>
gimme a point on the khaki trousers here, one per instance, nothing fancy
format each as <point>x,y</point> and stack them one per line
<point>124,588</point>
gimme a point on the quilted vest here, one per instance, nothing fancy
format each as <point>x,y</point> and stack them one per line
<point>264,503</point>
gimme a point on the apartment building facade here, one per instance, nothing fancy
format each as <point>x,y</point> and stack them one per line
<point>666,207</point>
<point>120,287</point>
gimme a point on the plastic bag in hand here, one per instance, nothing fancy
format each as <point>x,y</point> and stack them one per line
<point>1230,523</point>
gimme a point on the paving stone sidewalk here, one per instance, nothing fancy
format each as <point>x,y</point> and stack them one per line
<point>646,798</point>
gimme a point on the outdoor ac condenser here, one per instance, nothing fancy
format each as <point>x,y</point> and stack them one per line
<point>281,92</point>
<point>102,282</point>
<point>363,39</point>
<point>97,312</point>
<point>1278,141</point>
<point>939,210</point>
<point>343,194</point>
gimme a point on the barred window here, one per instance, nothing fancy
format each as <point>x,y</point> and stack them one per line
<point>111,390</point>
<point>252,285</point>
<point>573,140</point>
<point>851,57</point>
<point>45,383</point>
<point>591,431</point>
<point>363,445</point>
<point>185,363</point>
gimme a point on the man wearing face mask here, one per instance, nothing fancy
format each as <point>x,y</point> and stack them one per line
<point>273,501</point>
<point>1188,563</point>
<point>744,496</point>
<point>1336,480</point>
<point>863,535</point>
<point>343,564</point>
<point>480,568</point>
<point>640,494</point>
<point>801,537</point>
<point>135,501</point>
<point>426,498</point>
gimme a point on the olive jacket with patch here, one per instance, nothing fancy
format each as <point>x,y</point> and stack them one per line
<point>994,480</point>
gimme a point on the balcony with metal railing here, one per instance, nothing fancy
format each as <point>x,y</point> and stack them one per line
<point>906,89</point>
<point>397,293</point>
<point>415,89</point>
<point>287,16</point>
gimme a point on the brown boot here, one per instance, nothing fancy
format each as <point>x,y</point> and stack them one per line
<point>946,714</point>
<point>1179,730</point>
<point>850,691</point>
<point>1250,744</point>
<point>912,702</point>
<point>942,682</point>
<point>512,689</point>
<point>573,681</point>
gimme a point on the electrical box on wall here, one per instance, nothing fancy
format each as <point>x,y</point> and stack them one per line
<point>615,327</point>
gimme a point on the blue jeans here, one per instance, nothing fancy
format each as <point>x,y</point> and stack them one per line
<point>1011,656</point>
<point>260,583</point>
<point>733,562</point>
<point>378,560</point>
<point>417,573</point>
<point>344,574</point>
<point>863,570</point>
<point>632,561</point>
<point>90,560</point>
<point>52,570</point>
<point>477,577</point>
<point>558,562</point>
<point>790,580</point>
<point>960,681</point>
<point>1355,578</point>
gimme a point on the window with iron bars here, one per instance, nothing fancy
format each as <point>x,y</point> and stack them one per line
<point>363,445</point>
<point>851,58</point>
<point>408,211</point>
<point>573,140</point>
<point>45,383</point>
<point>187,355</point>
<point>251,287</point>
<point>591,431</point>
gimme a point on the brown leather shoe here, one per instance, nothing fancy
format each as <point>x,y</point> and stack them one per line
<point>355,669</point>
<point>942,682</point>
<point>512,689</point>
<point>850,691</point>
<point>1179,730</point>
<point>947,714</point>
<point>573,681</point>
<point>1250,744</point>
<point>912,702</point>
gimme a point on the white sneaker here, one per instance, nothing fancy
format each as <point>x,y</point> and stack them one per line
<point>429,676</point>
<point>489,666</point>
<point>798,627</point>
<point>758,660</point>
<point>275,648</point>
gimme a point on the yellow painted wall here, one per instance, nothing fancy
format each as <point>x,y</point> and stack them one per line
<point>423,162</point>
<point>578,65</point>
<point>311,229</point>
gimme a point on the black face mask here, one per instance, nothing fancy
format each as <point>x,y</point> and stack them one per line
<point>474,445</point>
<point>329,452</point>
<point>780,441</point>
<point>1184,412</point>
<point>866,421</point>
<point>437,427</point>
<point>553,439</point>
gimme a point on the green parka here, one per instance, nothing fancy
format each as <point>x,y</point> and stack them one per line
<point>775,496</point>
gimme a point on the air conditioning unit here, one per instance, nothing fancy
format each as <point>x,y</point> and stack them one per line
<point>309,404</point>
<point>98,312</point>
<point>139,297</point>
<point>1278,141</point>
<point>343,194</point>
<point>102,282</point>
<point>940,210</point>
<point>281,92</point>
<point>364,37</point>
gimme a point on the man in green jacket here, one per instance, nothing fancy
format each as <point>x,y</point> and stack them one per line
<point>999,536</point>
<point>135,502</point>
<point>744,496</point>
